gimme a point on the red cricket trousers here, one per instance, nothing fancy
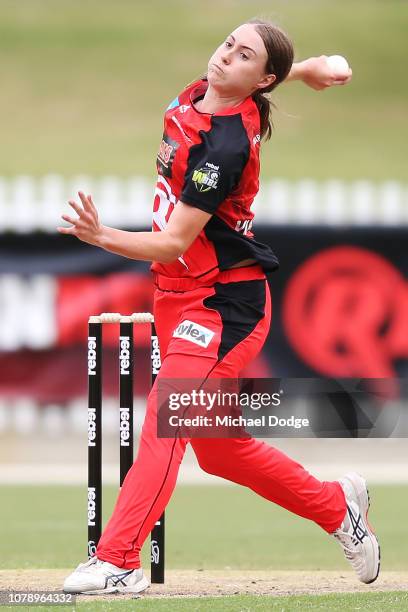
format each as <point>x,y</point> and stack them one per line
<point>233,318</point>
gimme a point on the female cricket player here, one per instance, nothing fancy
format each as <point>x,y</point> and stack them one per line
<point>212,304</point>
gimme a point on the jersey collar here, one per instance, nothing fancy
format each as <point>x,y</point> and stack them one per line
<point>198,92</point>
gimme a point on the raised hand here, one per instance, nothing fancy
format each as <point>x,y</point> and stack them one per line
<point>317,74</point>
<point>86,226</point>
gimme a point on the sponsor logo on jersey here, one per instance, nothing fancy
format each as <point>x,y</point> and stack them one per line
<point>188,330</point>
<point>184,107</point>
<point>244,226</point>
<point>206,178</point>
<point>256,139</point>
<point>165,156</point>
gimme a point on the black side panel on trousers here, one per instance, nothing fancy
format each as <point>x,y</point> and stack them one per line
<point>241,306</point>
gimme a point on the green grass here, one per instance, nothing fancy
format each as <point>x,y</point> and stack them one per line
<point>85,83</point>
<point>375,602</point>
<point>207,528</point>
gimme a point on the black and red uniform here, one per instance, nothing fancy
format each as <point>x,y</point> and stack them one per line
<point>212,319</point>
<point>211,162</point>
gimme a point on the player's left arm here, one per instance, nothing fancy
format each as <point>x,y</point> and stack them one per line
<point>317,73</point>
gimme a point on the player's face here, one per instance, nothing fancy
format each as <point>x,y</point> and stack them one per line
<point>237,67</point>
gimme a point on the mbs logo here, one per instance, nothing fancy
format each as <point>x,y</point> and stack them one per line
<point>165,156</point>
<point>345,312</point>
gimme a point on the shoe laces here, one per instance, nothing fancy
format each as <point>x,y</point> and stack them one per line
<point>352,548</point>
<point>347,541</point>
<point>92,564</point>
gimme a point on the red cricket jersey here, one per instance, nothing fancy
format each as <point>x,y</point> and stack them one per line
<point>210,161</point>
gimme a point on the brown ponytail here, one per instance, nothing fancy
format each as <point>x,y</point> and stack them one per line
<point>280,59</point>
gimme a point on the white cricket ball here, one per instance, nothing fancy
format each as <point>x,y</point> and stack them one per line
<point>338,64</point>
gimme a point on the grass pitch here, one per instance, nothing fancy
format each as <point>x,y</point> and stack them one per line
<point>211,527</point>
<point>212,531</point>
<point>377,602</point>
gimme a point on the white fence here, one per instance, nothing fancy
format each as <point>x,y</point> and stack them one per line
<point>28,204</point>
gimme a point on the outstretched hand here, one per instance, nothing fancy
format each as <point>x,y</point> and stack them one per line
<point>317,74</point>
<point>86,226</point>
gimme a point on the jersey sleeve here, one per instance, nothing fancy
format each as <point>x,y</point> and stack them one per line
<point>215,165</point>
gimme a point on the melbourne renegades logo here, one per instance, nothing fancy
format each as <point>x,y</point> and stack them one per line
<point>165,156</point>
<point>345,313</point>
